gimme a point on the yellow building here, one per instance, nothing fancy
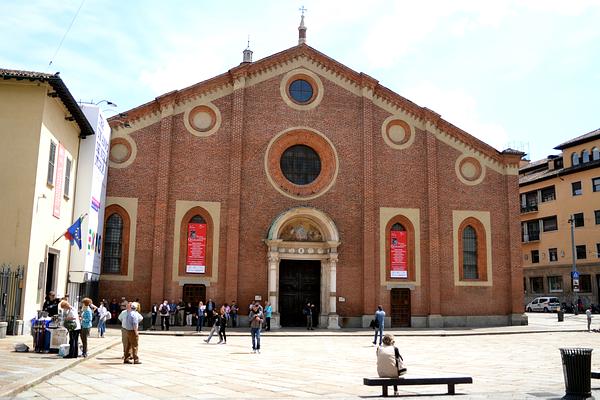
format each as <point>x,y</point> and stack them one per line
<point>556,192</point>
<point>41,125</point>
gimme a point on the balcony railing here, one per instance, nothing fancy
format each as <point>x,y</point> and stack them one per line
<point>531,237</point>
<point>529,208</point>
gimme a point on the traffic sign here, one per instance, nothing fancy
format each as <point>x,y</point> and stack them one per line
<point>575,275</point>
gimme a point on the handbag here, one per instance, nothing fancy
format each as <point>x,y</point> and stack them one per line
<point>374,324</point>
<point>399,362</point>
<point>70,324</point>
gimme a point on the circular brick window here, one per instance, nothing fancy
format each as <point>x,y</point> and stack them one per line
<point>469,170</point>
<point>397,133</point>
<point>301,91</point>
<point>120,151</point>
<point>301,163</point>
<point>202,120</point>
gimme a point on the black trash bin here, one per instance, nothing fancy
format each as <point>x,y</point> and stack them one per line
<point>577,370</point>
<point>561,315</point>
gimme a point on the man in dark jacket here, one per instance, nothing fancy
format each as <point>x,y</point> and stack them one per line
<point>210,307</point>
<point>51,304</point>
<point>308,313</point>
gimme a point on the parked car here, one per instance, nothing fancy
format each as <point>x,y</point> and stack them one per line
<point>545,304</point>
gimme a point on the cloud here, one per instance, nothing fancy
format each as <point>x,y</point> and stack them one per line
<point>459,108</point>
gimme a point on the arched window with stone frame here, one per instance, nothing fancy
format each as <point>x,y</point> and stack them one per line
<point>574,159</point>
<point>115,247</point>
<point>595,154</point>
<point>472,250</point>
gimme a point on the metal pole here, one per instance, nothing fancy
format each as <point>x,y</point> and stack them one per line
<point>574,267</point>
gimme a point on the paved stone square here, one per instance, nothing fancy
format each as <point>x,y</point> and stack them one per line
<point>505,363</point>
<point>513,366</point>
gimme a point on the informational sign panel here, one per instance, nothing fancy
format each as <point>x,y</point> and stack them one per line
<point>92,169</point>
<point>398,254</point>
<point>196,249</point>
<point>59,181</point>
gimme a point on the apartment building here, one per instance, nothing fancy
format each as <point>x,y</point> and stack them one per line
<point>558,194</point>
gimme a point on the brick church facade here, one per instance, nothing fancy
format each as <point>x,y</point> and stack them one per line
<point>295,179</point>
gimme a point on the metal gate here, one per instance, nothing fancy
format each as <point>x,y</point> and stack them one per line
<point>11,291</point>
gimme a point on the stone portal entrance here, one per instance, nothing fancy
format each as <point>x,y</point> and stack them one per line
<point>299,283</point>
<point>302,256</point>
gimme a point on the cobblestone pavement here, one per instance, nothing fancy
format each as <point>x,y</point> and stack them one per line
<point>300,364</point>
<point>23,369</point>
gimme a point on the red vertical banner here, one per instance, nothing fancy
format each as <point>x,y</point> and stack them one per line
<point>58,182</point>
<point>398,254</point>
<point>196,249</point>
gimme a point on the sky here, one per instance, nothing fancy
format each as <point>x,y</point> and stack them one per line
<point>523,74</point>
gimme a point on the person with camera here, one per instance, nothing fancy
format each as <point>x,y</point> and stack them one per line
<point>256,319</point>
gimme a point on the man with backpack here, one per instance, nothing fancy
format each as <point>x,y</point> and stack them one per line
<point>164,310</point>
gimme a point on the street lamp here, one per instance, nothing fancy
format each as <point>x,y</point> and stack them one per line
<point>110,103</point>
<point>122,122</point>
<point>574,273</point>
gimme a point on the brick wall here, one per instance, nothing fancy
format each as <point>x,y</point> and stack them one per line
<point>228,167</point>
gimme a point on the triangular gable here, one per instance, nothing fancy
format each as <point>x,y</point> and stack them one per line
<point>359,83</point>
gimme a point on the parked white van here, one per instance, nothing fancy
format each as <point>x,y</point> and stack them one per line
<point>545,304</point>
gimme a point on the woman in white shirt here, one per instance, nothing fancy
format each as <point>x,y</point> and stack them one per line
<point>103,315</point>
<point>201,316</point>
<point>73,325</point>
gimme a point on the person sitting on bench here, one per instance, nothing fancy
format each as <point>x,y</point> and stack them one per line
<point>389,361</point>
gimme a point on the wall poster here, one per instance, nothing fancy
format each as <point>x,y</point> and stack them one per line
<point>196,249</point>
<point>398,254</point>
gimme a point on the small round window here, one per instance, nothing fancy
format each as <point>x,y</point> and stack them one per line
<point>301,91</point>
<point>300,164</point>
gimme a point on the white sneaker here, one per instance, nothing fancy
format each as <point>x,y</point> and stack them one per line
<point>253,351</point>
<point>258,351</point>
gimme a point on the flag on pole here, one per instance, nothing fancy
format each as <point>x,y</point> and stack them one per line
<point>74,233</point>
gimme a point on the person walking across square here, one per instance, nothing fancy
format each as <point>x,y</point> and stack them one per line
<point>215,326</point>
<point>379,323</point>
<point>222,325</point>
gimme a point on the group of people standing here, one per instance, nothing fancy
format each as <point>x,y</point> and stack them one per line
<point>78,323</point>
<point>182,314</point>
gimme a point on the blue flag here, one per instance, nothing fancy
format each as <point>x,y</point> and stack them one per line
<point>74,233</point>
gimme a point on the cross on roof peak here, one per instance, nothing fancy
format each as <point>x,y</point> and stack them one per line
<point>302,9</point>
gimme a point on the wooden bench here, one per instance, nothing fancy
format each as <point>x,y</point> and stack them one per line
<point>417,380</point>
<point>595,374</point>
